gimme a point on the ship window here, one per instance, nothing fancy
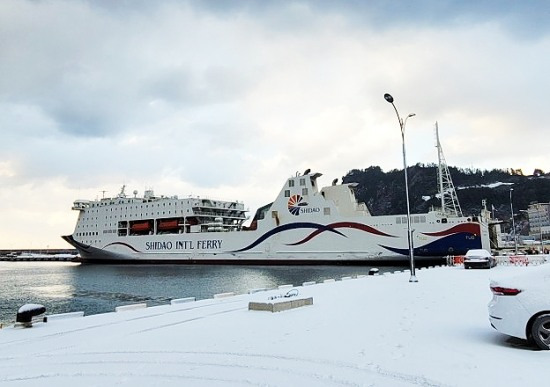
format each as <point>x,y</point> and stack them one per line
<point>291,183</point>
<point>327,210</point>
<point>398,220</point>
<point>287,193</point>
<point>302,181</point>
<point>304,191</point>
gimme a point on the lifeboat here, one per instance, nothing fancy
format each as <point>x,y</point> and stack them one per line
<point>168,224</point>
<point>141,226</point>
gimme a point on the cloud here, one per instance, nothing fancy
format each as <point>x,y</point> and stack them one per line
<point>230,98</point>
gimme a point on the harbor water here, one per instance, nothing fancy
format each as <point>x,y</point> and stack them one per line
<point>69,287</point>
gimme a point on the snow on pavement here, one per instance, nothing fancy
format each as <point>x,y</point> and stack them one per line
<point>372,331</point>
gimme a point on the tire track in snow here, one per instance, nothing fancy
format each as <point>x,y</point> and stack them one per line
<point>35,340</point>
<point>320,371</point>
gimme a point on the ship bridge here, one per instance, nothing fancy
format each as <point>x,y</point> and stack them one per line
<point>80,205</point>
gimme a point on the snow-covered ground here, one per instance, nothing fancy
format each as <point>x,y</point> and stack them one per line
<point>372,331</point>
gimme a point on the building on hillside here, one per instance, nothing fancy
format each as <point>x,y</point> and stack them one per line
<point>539,220</point>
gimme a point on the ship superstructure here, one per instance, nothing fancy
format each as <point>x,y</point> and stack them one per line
<point>125,216</point>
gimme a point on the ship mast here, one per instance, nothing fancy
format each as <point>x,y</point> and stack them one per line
<point>447,192</point>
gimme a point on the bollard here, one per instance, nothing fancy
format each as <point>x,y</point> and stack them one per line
<point>27,312</point>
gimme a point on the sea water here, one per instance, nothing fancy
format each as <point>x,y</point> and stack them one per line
<point>70,287</point>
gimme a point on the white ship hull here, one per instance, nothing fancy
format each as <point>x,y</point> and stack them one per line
<point>302,226</point>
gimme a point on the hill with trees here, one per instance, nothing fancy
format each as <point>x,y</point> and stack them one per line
<point>384,192</point>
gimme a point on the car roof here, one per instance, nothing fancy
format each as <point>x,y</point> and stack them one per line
<point>478,253</point>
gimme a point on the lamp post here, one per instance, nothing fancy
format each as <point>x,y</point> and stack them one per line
<point>513,223</point>
<point>402,124</point>
<point>540,210</point>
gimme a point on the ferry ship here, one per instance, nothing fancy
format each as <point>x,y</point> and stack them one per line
<point>305,224</point>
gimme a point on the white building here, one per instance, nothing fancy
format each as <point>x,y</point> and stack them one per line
<point>539,220</point>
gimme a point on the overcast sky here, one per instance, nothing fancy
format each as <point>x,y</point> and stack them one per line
<point>227,99</point>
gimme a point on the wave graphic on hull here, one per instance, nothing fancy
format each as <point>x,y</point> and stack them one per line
<point>286,227</point>
<point>456,244</point>
<point>469,228</point>
<point>357,226</point>
<point>122,244</point>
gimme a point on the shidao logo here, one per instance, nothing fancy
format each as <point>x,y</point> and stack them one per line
<point>294,204</point>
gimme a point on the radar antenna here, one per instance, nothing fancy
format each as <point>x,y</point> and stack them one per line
<point>447,192</point>
<point>122,194</point>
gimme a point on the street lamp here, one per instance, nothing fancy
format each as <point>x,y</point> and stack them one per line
<point>540,210</point>
<point>513,223</point>
<point>402,124</point>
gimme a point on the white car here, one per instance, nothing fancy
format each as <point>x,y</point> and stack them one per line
<point>479,259</point>
<point>521,305</point>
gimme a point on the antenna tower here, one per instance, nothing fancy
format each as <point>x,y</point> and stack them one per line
<point>447,192</point>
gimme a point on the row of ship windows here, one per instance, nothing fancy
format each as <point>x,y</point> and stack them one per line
<point>87,218</point>
<point>182,202</point>
<point>304,192</point>
<point>131,208</point>
<point>113,203</point>
<point>106,225</point>
<point>90,233</point>
<point>158,205</point>
<point>414,219</point>
<point>302,182</point>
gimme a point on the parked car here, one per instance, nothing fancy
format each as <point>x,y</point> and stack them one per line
<point>521,305</point>
<point>479,259</point>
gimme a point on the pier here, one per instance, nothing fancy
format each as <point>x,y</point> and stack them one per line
<point>64,255</point>
<point>375,330</point>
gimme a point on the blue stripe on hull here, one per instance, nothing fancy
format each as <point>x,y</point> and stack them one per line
<point>456,244</point>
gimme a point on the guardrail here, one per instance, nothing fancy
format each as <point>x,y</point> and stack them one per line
<point>506,260</point>
<point>523,260</point>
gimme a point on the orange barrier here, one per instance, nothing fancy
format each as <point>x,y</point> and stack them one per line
<point>519,260</point>
<point>453,260</point>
